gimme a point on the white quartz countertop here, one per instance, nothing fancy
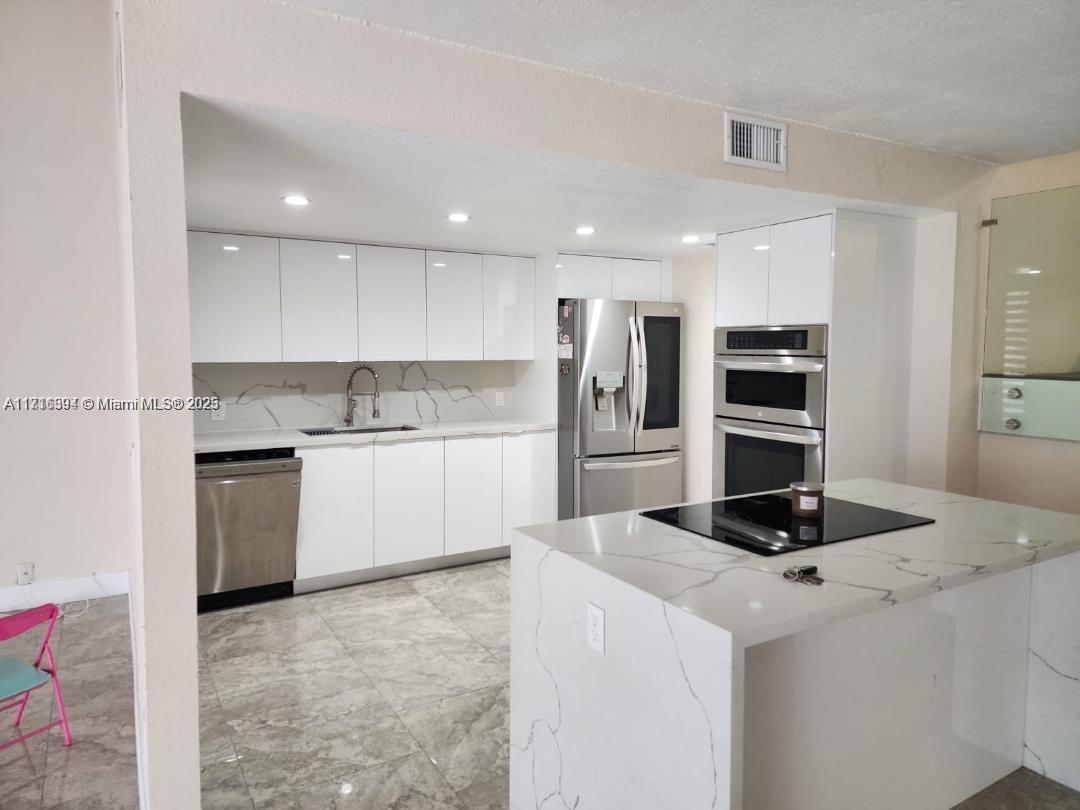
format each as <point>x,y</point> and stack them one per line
<point>745,594</point>
<point>231,440</point>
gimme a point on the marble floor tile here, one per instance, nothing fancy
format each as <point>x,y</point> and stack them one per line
<point>276,626</point>
<point>411,673</point>
<point>409,783</point>
<point>100,765</point>
<point>1023,789</point>
<point>23,766</point>
<point>224,788</point>
<point>400,616</point>
<point>493,795</point>
<point>477,600</point>
<point>102,632</point>
<point>102,686</point>
<point>466,737</point>
<point>283,755</point>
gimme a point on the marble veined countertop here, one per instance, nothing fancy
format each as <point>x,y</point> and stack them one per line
<point>230,440</point>
<point>744,593</point>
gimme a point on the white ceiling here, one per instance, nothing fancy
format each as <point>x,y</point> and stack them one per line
<point>994,79</point>
<point>387,186</point>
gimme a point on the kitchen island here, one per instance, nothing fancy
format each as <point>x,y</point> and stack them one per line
<point>931,662</point>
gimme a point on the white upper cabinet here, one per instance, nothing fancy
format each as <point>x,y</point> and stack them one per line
<point>473,493</point>
<point>318,301</point>
<point>584,276</point>
<point>742,278</point>
<point>391,303</point>
<point>636,280</point>
<point>235,297</point>
<point>408,501</point>
<point>509,305</point>
<point>800,264</point>
<point>337,494</point>
<point>455,306</point>
<point>529,470</point>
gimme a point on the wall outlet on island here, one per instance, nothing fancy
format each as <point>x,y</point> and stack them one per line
<point>594,627</point>
<point>499,399</point>
<point>218,414</point>
<point>24,573</point>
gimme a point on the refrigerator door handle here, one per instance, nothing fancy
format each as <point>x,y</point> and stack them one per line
<point>643,393</point>
<point>632,378</point>
<point>630,465</point>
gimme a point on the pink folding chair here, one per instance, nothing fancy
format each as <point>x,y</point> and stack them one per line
<point>18,678</point>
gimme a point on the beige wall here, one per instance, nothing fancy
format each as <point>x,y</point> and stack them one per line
<point>693,284</point>
<point>1037,472</point>
<point>64,304</point>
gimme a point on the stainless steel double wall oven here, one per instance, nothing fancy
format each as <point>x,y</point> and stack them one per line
<point>620,391</point>
<point>769,386</point>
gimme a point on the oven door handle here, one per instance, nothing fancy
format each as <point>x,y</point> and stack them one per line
<point>782,368</point>
<point>773,435</point>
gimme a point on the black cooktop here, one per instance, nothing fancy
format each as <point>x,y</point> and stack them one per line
<point>764,524</point>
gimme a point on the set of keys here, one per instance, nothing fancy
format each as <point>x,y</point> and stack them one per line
<point>806,574</point>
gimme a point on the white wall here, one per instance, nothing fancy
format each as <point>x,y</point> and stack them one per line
<point>693,284</point>
<point>64,307</point>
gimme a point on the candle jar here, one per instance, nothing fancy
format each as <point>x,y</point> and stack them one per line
<point>807,499</point>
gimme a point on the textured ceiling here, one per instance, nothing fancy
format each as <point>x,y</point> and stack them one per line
<point>993,79</point>
<point>381,185</point>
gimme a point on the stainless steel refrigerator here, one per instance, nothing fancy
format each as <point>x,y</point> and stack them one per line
<point>620,402</point>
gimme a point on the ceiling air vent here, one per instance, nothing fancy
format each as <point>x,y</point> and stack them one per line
<point>755,142</point>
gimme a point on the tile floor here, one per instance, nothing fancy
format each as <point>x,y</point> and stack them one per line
<point>386,695</point>
<point>389,694</point>
<point>99,771</point>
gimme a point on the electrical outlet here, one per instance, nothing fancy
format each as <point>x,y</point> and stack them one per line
<point>499,399</point>
<point>594,627</point>
<point>24,573</point>
<point>218,415</point>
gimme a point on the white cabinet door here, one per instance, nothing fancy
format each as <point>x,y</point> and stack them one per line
<point>235,296</point>
<point>408,501</point>
<point>473,493</point>
<point>742,278</point>
<point>584,276</point>
<point>800,271</point>
<point>455,306</point>
<point>392,303</point>
<point>509,307</point>
<point>318,301</point>
<point>337,526</point>
<point>635,280</point>
<point>528,480</point>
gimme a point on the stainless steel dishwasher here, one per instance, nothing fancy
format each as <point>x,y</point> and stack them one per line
<point>247,506</point>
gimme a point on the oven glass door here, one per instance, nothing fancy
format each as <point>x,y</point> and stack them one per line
<point>787,390</point>
<point>751,457</point>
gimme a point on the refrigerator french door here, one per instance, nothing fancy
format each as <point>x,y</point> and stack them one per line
<point>620,399</point>
<point>753,457</point>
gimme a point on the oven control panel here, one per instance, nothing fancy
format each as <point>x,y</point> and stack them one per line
<point>776,340</point>
<point>788,339</point>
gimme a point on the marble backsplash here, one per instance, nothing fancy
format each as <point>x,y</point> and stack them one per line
<point>268,395</point>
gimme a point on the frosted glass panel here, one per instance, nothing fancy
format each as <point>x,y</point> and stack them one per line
<point>1033,294</point>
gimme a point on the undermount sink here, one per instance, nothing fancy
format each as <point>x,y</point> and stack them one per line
<point>330,431</point>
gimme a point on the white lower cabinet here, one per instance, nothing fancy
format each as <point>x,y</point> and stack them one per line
<point>473,493</point>
<point>529,464</point>
<point>336,528</point>
<point>409,498</point>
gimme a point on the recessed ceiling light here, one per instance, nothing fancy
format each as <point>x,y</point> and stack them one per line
<point>585,230</point>
<point>1029,271</point>
<point>344,256</point>
<point>761,247</point>
<point>691,239</point>
<point>438,264</point>
<point>458,216</point>
<point>229,248</point>
<point>295,199</point>
<point>558,266</point>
